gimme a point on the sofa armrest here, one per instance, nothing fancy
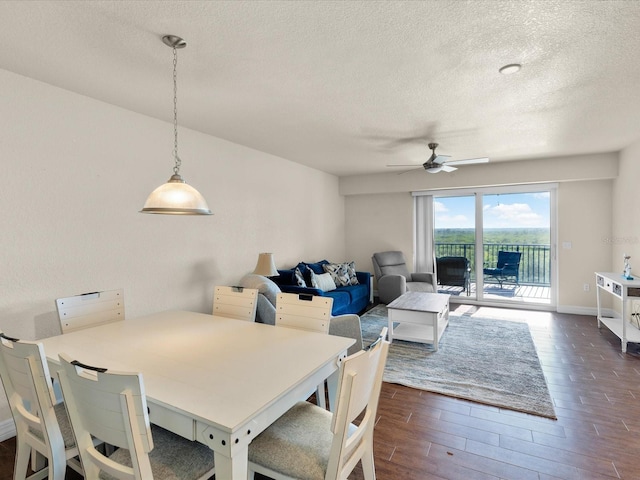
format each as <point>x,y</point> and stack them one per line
<point>391,287</point>
<point>364,277</point>
<point>347,326</point>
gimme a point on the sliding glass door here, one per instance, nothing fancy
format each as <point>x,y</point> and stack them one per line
<point>517,246</point>
<point>493,245</point>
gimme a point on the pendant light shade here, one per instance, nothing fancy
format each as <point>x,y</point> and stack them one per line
<point>175,197</point>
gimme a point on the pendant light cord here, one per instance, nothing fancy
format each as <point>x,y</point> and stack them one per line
<point>176,168</point>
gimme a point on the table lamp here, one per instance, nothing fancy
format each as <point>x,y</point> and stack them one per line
<point>266,266</point>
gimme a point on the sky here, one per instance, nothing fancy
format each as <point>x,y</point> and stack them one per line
<point>520,210</point>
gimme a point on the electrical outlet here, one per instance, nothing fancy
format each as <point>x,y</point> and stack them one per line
<point>586,287</point>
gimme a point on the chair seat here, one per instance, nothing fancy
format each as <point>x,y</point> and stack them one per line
<point>297,444</point>
<point>63,423</point>
<point>172,458</point>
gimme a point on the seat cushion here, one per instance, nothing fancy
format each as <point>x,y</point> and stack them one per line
<point>63,423</point>
<point>297,444</point>
<point>341,300</point>
<point>172,458</point>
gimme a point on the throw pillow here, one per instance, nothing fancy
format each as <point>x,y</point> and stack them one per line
<point>343,274</point>
<point>325,282</point>
<point>299,278</point>
<point>339,273</point>
<point>351,269</point>
<point>313,278</point>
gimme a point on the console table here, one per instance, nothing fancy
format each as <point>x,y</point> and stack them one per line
<point>622,289</point>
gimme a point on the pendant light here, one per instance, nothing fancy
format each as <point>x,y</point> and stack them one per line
<point>175,197</point>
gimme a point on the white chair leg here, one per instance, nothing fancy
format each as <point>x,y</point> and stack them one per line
<point>23,453</point>
<point>368,467</point>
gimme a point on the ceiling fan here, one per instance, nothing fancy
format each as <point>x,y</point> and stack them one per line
<point>439,163</point>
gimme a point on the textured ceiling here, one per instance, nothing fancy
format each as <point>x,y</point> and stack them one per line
<point>341,85</point>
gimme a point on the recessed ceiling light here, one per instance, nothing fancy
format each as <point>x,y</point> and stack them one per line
<point>511,68</point>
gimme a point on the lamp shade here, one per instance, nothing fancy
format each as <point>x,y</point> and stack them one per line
<point>176,198</point>
<point>266,266</point>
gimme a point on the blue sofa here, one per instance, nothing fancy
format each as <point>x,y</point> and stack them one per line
<point>346,299</point>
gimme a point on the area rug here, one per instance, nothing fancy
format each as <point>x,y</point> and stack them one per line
<point>479,359</point>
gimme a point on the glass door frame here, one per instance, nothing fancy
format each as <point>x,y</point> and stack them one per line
<point>479,193</point>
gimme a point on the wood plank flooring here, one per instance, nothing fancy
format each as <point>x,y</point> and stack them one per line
<point>596,393</point>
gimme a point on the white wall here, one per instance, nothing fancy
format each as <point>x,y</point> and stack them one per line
<point>625,233</point>
<point>77,171</point>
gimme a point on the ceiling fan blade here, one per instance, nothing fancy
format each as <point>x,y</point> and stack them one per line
<point>448,168</point>
<point>441,159</point>
<point>411,170</point>
<point>469,161</point>
<point>400,165</point>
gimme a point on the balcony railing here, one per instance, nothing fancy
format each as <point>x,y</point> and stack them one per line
<point>535,263</point>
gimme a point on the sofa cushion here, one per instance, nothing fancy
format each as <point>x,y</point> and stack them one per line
<point>285,277</point>
<point>357,292</point>
<point>341,301</point>
<point>316,267</point>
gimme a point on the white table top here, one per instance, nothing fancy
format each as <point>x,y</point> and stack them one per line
<point>221,381</point>
<point>421,302</point>
<point>221,371</point>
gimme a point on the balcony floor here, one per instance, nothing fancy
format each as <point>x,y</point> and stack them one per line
<point>540,294</point>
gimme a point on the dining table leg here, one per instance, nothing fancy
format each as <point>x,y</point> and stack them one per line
<point>232,468</point>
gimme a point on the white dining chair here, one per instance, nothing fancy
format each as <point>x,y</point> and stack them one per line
<point>112,407</point>
<point>305,312</point>
<point>235,302</point>
<point>42,426</point>
<point>310,443</point>
<point>90,309</point>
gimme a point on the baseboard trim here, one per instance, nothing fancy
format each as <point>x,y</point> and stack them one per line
<point>7,430</point>
<point>577,310</point>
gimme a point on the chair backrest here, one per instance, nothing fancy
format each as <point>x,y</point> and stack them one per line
<point>27,383</point>
<point>510,260</point>
<point>304,312</point>
<point>89,309</point>
<point>235,302</point>
<point>358,391</point>
<point>112,407</point>
<point>452,267</point>
<point>390,263</point>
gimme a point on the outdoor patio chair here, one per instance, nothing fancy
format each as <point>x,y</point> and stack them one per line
<point>508,266</point>
<point>454,271</point>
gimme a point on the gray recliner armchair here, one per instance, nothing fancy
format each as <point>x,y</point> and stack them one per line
<point>394,278</point>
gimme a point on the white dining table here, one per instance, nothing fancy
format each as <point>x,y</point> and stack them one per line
<point>211,379</point>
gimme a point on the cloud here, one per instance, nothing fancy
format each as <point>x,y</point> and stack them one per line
<point>453,221</point>
<point>512,216</point>
<point>439,207</point>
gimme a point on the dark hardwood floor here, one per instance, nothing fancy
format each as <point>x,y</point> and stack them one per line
<point>595,389</point>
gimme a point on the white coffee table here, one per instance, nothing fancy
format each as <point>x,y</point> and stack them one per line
<point>422,317</point>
